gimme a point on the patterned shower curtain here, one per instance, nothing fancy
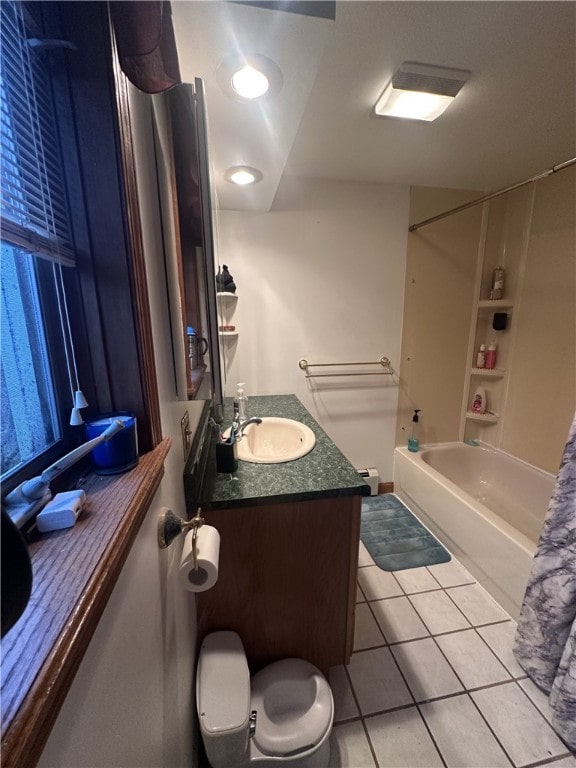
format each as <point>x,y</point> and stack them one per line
<point>545,643</point>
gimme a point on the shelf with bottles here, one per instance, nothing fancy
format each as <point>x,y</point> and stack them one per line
<point>485,305</point>
<point>495,373</point>
<point>488,418</point>
<point>226,306</point>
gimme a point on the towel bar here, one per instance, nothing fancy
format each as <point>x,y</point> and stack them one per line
<point>384,362</point>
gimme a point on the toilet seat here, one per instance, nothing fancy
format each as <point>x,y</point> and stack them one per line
<point>294,707</point>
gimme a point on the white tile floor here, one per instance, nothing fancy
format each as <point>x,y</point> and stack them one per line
<point>432,680</point>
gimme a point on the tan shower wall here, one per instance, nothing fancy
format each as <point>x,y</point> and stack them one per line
<point>438,301</point>
<point>537,400</point>
<point>542,382</point>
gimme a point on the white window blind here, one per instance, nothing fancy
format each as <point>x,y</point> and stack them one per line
<point>33,204</point>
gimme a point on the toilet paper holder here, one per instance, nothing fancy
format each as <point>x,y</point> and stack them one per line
<point>170,526</point>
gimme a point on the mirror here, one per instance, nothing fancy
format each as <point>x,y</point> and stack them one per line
<point>187,221</point>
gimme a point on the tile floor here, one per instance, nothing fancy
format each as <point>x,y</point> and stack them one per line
<point>432,680</point>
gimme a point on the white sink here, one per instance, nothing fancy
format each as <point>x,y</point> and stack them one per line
<point>275,440</point>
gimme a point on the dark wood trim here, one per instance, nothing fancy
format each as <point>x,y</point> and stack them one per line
<point>115,345</point>
<point>138,264</point>
<point>385,488</point>
<point>75,571</point>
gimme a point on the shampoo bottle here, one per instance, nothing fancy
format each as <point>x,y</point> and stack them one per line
<point>491,355</point>
<point>413,442</point>
<point>242,401</point>
<point>497,291</point>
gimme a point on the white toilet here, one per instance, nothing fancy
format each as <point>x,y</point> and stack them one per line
<point>281,717</point>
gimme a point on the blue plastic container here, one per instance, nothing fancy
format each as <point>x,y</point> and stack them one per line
<point>120,452</point>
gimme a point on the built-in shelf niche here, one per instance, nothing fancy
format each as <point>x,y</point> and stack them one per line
<point>503,244</point>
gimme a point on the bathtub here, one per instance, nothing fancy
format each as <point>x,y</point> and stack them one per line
<point>484,505</point>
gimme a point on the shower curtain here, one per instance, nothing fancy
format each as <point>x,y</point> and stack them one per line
<point>545,642</point>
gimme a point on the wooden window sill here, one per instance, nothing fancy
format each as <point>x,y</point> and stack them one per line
<point>74,572</point>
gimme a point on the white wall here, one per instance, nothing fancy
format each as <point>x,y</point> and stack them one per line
<point>321,277</point>
<point>131,703</point>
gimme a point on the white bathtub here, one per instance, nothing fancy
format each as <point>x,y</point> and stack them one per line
<point>485,506</point>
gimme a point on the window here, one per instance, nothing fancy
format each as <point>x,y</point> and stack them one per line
<point>35,226</point>
<point>27,384</point>
<point>66,200</point>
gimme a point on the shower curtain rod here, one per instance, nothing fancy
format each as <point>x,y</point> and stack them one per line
<point>549,172</point>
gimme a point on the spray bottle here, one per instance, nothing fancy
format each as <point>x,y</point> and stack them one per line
<point>413,442</point>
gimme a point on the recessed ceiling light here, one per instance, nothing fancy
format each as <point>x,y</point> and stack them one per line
<point>420,91</point>
<point>249,82</point>
<point>243,175</point>
<point>249,76</point>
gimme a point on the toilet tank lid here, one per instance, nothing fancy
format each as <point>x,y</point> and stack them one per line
<point>222,684</point>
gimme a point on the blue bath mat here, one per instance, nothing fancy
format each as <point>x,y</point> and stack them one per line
<point>395,538</point>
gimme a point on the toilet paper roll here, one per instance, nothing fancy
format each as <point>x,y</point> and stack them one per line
<point>208,553</point>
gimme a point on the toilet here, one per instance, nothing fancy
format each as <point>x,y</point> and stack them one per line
<point>282,716</point>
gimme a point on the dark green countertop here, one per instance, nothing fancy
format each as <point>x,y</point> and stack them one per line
<point>323,473</point>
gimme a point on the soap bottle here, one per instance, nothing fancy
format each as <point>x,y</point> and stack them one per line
<point>413,443</point>
<point>242,402</point>
<point>491,355</point>
<point>497,291</point>
<point>479,401</point>
<point>481,357</point>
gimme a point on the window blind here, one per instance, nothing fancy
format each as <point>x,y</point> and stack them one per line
<point>33,208</point>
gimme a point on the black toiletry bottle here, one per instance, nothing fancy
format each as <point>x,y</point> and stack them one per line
<point>413,443</point>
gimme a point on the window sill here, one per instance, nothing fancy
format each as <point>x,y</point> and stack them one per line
<point>41,653</point>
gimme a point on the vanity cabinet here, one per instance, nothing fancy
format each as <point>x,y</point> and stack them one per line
<point>287,580</point>
<point>289,538</point>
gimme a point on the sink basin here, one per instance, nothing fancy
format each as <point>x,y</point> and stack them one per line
<point>275,441</point>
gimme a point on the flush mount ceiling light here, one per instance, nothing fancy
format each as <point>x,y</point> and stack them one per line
<point>243,175</point>
<point>250,76</point>
<point>420,91</point>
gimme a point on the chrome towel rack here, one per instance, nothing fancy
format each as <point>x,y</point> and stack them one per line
<point>384,362</point>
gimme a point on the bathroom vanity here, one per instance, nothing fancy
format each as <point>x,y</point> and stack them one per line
<point>289,536</point>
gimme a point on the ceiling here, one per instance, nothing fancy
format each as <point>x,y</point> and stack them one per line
<point>515,117</point>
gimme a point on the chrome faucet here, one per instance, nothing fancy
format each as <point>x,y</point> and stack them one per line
<point>235,428</point>
<point>253,420</point>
